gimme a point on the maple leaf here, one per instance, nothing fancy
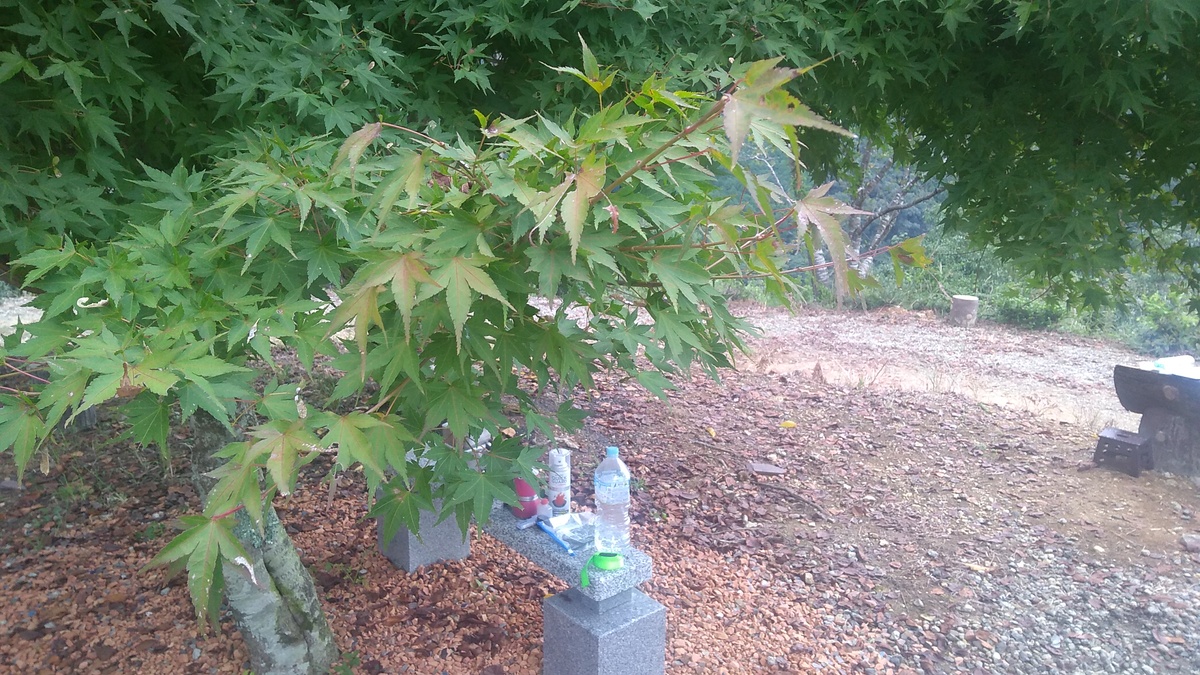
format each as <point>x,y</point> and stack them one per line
<point>347,433</point>
<point>363,308</point>
<point>404,273</point>
<point>283,443</point>
<point>201,546</point>
<point>578,203</point>
<point>22,428</point>
<point>401,504</point>
<point>237,483</point>
<point>460,276</point>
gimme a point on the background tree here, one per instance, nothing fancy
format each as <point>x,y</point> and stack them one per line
<point>1054,126</point>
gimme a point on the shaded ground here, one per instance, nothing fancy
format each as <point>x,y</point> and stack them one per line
<point>951,527</point>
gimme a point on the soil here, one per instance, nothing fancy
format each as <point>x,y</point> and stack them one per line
<point>871,492</point>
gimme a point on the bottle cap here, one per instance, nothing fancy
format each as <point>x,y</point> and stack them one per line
<point>611,451</point>
<point>602,561</point>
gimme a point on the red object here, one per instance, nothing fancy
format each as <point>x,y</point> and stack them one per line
<point>527,497</point>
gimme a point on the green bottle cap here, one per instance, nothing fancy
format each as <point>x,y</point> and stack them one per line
<point>602,561</point>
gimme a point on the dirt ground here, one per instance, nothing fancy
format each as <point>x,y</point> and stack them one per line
<point>866,493</point>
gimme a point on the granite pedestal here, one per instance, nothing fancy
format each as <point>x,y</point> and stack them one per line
<point>628,638</point>
<point>437,542</point>
<point>609,627</point>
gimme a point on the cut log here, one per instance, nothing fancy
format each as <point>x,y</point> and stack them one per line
<point>964,309</point>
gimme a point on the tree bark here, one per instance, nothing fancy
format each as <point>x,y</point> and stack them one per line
<point>276,609</point>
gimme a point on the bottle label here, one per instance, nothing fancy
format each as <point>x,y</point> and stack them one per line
<point>612,491</point>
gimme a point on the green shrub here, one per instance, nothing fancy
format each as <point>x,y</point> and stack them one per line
<point>1014,306</point>
<point>1164,325</point>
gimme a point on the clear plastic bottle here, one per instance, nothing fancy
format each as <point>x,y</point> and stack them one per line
<point>612,504</point>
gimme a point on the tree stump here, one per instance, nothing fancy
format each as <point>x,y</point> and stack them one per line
<point>964,309</point>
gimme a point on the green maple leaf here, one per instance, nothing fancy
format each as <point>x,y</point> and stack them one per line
<point>404,273</point>
<point>63,392</point>
<point>22,428</point>
<point>388,439</point>
<point>480,489</point>
<point>552,261</point>
<point>283,443</point>
<point>363,308</point>
<point>460,276</point>
<point>401,504</point>
<point>150,421</point>
<point>155,379</point>
<point>201,546</point>
<point>655,383</point>
<point>457,405</point>
<point>347,432</point>
<point>406,179</point>
<point>237,483</point>
<point>678,277</point>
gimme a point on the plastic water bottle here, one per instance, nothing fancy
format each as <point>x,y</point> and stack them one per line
<point>612,504</point>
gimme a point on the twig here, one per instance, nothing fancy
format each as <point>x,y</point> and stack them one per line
<point>31,376</point>
<point>798,497</point>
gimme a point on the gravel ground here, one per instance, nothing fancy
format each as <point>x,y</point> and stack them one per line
<point>932,509</point>
<point>14,309</point>
<point>1062,377</point>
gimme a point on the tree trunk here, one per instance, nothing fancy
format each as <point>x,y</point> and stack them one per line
<point>277,609</point>
<point>964,309</point>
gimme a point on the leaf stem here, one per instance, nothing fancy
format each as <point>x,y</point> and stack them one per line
<point>26,374</point>
<point>228,513</point>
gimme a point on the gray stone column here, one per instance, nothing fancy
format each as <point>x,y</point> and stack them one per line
<point>435,542</point>
<point>608,627</point>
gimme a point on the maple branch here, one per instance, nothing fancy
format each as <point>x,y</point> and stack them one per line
<point>900,207</point>
<point>806,268</point>
<point>678,159</point>
<point>25,373</point>
<point>414,132</point>
<point>707,117</point>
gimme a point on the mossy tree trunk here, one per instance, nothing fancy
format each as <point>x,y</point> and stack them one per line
<point>276,609</point>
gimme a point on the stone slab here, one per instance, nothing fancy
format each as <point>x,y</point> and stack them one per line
<point>630,638</point>
<point>436,543</point>
<point>765,469</point>
<point>541,550</point>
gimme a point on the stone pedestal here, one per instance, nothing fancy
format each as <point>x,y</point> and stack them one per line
<point>437,542</point>
<point>609,626</point>
<point>629,637</point>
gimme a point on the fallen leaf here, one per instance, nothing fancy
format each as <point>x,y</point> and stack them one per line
<point>788,424</point>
